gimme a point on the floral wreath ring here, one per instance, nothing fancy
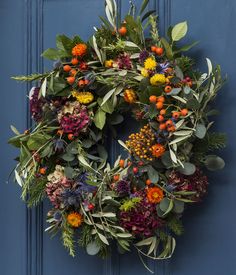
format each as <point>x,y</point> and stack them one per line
<point>139,200</point>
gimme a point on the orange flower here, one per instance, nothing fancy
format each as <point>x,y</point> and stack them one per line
<point>75,219</point>
<point>154,194</point>
<point>79,49</point>
<point>158,150</point>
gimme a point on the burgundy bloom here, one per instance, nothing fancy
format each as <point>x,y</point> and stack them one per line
<point>36,104</point>
<point>122,188</point>
<point>75,122</point>
<point>124,62</point>
<point>143,56</point>
<point>197,182</point>
<point>54,190</point>
<point>142,220</point>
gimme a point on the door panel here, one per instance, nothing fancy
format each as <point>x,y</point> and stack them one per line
<point>207,247</point>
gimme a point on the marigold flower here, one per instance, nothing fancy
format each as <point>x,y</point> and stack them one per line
<point>130,96</point>
<point>154,194</point>
<point>158,150</point>
<point>109,63</point>
<point>157,79</point>
<point>144,72</point>
<point>74,219</point>
<point>150,63</point>
<point>79,49</point>
<point>83,97</point>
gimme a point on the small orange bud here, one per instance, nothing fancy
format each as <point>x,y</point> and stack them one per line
<point>67,68</point>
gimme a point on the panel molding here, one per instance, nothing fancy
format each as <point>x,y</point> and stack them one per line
<point>32,51</point>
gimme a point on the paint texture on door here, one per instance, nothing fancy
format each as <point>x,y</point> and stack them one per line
<point>29,27</point>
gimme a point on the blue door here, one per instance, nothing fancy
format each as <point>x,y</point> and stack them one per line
<point>30,26</point>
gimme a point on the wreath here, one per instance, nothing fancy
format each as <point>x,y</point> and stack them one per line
<point>116,78</point>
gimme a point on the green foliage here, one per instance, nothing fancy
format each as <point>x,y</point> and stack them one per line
<point>175,225</point>
<point>216,141</point>
<point>185,63</point>
<point>36,192</point>
<point>68,238</point>
<point>31,77</point>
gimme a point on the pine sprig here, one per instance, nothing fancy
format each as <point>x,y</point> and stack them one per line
<point>176,226</point>
<point>36,193</point>
<point>31,77</point>
<point>216,141</point>
<point>68,239</point>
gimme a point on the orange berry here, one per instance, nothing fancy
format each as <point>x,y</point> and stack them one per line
<point>122,31</point>
<point>122,163</point>
<point>148,182</point>
<point>71,136</point>
<point>67,68</point>
<point>81,83</point>
<point>60,132</point>
<point>159,51</point>
<point>74,61</point>
<point>70,79</point>
<point>73,72</point>
<point>175,115</point>
<point>154,48</point>
<point>162,111</point>
<point>171,128</point>
<point>161,99</point>
<point>86,82</point>
<point>168,89</point>
<point>159,105</point>
<point>153,99</point>
<point>160,118</point>
<point>162,126</point>
<point>184,112</point>
<point>169,123</point>
<point>43,170</point>
<point>116,177</point>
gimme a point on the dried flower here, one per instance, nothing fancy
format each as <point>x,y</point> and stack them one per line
<point>124,62</point>
<point>79,49</point>
<point>157,79</point>
<point>130,96</point>
<point>150,63</point>
<point>158,150</point>
<point>83,97</point>
<point>154,194</point>
<point>143,56</point>
<point>122,188</point>
<point>36,104</point>
<point>74,219</point>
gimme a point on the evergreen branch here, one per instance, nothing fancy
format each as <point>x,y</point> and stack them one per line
<point>31,77</point>
<point>36,193</point>
<point>175,225</point>
<point>216,141</point>
<point>68,239</point>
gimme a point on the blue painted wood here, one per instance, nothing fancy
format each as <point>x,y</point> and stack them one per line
<point>207,247</point>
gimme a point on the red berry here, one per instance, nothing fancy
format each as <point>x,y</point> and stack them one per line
<point>159,51</point>
<point>135,170</point>
<point>91,206</point>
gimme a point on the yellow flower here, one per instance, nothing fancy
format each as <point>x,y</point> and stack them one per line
<point>157,79</point>
<point>74,219</point>
<point>144,72</point>
<point>83,97</point>
<point>150,63</point>
<point>109,63</point>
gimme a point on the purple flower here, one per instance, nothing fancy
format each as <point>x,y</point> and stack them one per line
<point>36,104</point>
<point>70,197</point>
<point>75,123</point>
<point>143,56</point>
<point>122,188</point>
<point>124,61</point>
<point>142,220</point>
<point>83,185</point>
<point>161,68</point>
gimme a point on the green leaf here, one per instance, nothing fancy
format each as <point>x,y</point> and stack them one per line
<point>187,47</point>
<point>68,157</point>
<point>92,248</point>
<point>152,174</point>
<point>124,235</point>
<point>14,130</point>
<point>193,104</point>
<point>69,172</point>
<point>116,118</point>
<point>143,6</point>
<point>200,130</point>
<point>37,140</point>
<point>103,238</point>
<point>64,43</point>
<point>53,54</point>
<point>147,14</point>
<point>43,88</point>
<point>166,205</point>
<point>107,106</point>
<point>188,169</point>
<point>178,206</point>
<point>100,119</point>
<point>213,162</point>
<point>167,47</point>
<point>179,31</point>
<point>102,152</point>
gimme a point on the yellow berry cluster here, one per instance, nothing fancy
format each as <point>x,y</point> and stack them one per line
<point>130,96</point>
<point>140,144</point>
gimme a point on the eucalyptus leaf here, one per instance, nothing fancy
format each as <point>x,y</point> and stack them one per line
<point>200,130</point>
<point>178,207</point>
<point>188,169</point>
<point>93,248</point>
<point>213,162</point>
<point>100,119</point>
<point>152,174</point>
